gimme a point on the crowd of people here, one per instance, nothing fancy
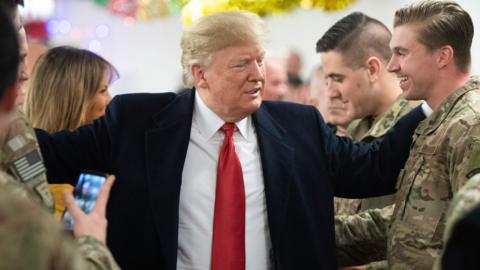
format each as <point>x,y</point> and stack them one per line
<point>372,164</point>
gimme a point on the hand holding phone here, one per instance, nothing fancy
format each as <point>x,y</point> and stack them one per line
<point>95,222</point>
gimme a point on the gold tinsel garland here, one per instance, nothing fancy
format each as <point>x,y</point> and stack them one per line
<point>197,8</point>
<point>192,9</point>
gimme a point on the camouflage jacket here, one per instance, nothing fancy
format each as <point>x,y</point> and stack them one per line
<point>466,199</point>
<point>367,129</point>
<point>20,157</point>
<point>32,239</point>
<point>444,152</point>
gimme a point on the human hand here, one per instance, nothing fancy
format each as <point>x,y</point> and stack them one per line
<point>94,223</point>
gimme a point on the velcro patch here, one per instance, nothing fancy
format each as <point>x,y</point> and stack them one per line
<point>16,143</point>
<point>29,166</point>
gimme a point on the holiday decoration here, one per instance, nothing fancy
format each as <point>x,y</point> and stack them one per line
<point>123,7</point>
<point>151,9</point>
<point>198,8</point>
<point>36,31</point>
<point>328,5</point>
<point>192,9</point>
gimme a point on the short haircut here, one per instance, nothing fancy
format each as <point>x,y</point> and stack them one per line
<point>9,52</point>
<point>357,37</point>
<point>440,23</point>
<point>63,82</point>
<point>11,6</point>
<point>210,34</point>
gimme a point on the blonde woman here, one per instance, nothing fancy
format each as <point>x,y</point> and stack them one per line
<point>68,88</point>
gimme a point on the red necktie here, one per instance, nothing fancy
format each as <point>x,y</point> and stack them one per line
<point>228,244</point>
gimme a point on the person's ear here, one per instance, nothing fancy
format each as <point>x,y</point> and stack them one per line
<point>8,100</point>
<point>445,55</point>
<point>374,66</point>
<point>198,74</point>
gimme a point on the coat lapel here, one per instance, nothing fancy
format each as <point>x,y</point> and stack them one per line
<point>277,164</point>
<point>166,149</point>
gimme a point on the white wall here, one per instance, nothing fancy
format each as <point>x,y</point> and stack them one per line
<point>147,54</point>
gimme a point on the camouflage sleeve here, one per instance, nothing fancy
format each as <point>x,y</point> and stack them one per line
<point>95,254</point>
<point>362,238</point>
<point>466,199</point>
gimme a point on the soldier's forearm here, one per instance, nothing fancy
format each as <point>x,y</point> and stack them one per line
<point>362,238</point>
<point>370,226</point>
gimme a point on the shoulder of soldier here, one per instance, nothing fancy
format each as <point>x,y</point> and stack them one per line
<point>21,158</point>
<point>468,105</point>
<point>389,118</point>
<point>399,108</point>
<point>355,128</point>
<point>19,133</point>
<point>19,124</point>
<point>463,119</point>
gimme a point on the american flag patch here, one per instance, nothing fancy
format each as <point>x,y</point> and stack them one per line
<point>29,166</point>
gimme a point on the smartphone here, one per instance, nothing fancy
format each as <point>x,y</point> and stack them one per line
<point>85,193</point>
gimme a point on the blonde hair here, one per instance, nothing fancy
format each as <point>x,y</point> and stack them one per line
<point>440,23</point>
<point>63,81</point>
<point>209,34</point>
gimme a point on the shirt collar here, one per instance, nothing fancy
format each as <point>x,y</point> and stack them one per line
<point>209,123</point>
<point>427,110</point>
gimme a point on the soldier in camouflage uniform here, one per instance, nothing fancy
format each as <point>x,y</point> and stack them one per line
<point>446,145</point>
<point>30,237</point>
<point>19,153</point>
<point>354,54</point>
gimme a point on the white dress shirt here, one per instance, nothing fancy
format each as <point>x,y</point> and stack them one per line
<point>427,110</point>
<point>197,193</point>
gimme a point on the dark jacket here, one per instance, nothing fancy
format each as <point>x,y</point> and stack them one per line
<point>143,140</point>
